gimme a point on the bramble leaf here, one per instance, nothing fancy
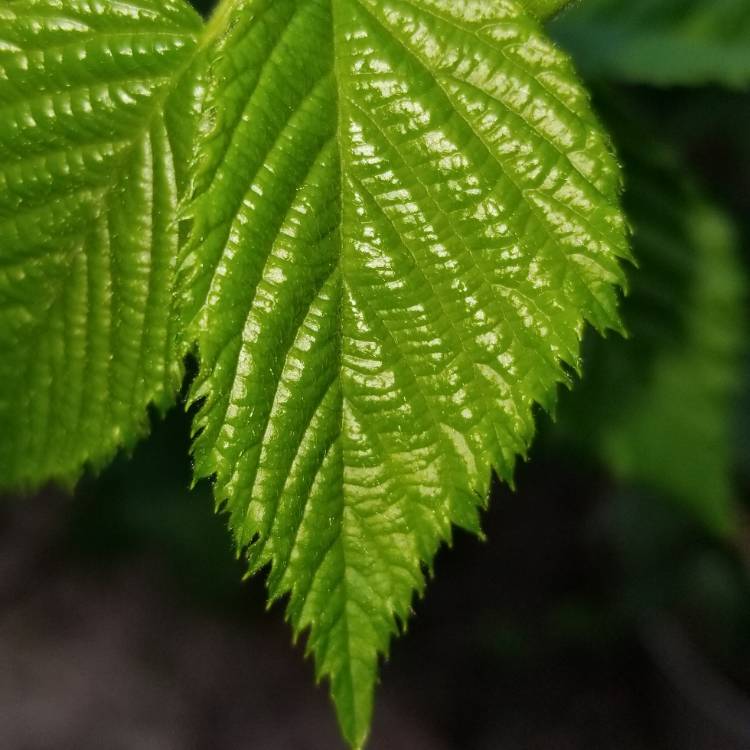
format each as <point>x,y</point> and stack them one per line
<point>402,213</point>
<point>667,42</point>
<point>92,136</point>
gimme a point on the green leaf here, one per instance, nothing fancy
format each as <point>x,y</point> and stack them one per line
<point>92,137</point>
<point>403,213</point>
<point>664,42</point>
<point>657,409</point>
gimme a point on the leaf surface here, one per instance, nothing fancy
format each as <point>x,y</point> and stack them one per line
<point>668,42</point>
<point>91,136</point>
<point>403,214</point>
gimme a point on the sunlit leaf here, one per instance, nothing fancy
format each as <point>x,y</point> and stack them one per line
<point>403,213</point>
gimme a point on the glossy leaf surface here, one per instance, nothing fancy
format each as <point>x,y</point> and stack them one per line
<point>663,42</point>
<point>403,214</point>
<point>89,141</point>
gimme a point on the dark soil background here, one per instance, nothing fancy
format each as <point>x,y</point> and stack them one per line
<point>123,624</point>
<point>592,616</point>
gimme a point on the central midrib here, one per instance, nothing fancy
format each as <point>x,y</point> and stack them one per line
<point>340,128</point>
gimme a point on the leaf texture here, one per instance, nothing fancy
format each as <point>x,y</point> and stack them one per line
<point>91,135</point>
<point>657,410</point>
<point>668,43</point>
<point>403,212</point>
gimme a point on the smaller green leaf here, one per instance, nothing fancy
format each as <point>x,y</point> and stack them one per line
<point>662,42</point>
<point>94,127</point>
<point>657,409</point>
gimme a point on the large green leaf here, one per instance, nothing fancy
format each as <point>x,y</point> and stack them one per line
<point>92,135</point>
<point>403,213</point>
<point>665,42</point>
<point>657,409</point>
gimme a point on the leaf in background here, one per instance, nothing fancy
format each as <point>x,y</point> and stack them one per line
<point>545,9</point>
<point>403,214</point>
<point>663,42</point>
<point>89,172</point>
<point>658,409</point>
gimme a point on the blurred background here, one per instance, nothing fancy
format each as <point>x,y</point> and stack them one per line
<point>609,607</point>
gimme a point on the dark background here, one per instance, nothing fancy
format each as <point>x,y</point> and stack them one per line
<point>594,616</point>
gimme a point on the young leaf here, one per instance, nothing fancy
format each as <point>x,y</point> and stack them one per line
<point>657,409</point>
<point>91,137</point>
<point>403,213</point>
<point>667,42</point>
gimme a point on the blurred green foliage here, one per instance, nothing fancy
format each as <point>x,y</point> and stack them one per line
<point>667,412</point>
<point>661,42</point>
<point>657,409</point>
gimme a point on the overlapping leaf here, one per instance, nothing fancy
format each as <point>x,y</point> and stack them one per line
<point>403,213</point>
<point>90,152</point>
<point>664,42</point>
